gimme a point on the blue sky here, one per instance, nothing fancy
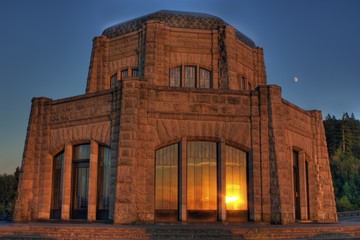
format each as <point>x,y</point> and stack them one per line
<point>45,49</point>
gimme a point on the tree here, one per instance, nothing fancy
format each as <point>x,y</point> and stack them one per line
<point>8,189</point>
<point>343,140</point>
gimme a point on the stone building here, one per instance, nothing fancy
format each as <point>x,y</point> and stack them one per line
<point>177,124</point>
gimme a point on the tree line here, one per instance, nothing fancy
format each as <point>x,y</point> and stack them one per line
<point>343,142</point>
<point>8,189</point>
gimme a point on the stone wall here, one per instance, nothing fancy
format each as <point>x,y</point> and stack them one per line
<point>155,48</point>
<point>52,126</point>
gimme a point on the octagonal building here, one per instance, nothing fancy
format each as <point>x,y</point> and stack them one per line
<point>177,124</point>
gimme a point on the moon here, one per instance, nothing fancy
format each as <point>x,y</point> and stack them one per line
<point>296,79</point>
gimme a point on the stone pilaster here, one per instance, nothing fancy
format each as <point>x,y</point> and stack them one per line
<point>67,176</point>
<point>150,50</point>
<point>135,166</point>
<point>222,181</point>
<point>254,185</point>
<point>325,202</point>
<point>259,65</point>
<point>223,59</point>
<point>93,174</point>
<point>263,183</point>
<point>281,206</point>
<point>98,76</point>
<point>183,183</point>
<point>29,203</point>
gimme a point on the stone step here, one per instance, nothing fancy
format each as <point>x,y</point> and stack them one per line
<point>87,231</point>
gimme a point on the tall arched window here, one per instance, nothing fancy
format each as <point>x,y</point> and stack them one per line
<point>236,184</point>
<point>103,184</point>
<point>57,179</point>
<point>201,179</point>
<point>80,181</point>
<point>166,183</point>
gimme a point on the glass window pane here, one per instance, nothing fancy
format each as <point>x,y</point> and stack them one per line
<point>175,77</point>
<point>201,175</point>
<point>81,152</point>
<point>236,179</point>
<point>166,177</point>
<point>124,74</point>
<point>57,181</point>
<point>190,76</point>
<point>205,78</point>
<point>113,80</point>
<point>81,187</point>
<point>135,72</point>
<point>104,177</point>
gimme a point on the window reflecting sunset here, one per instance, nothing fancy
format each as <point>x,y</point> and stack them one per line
<point>236,185</point>
<point>166,190</point>
<point>201,176</point>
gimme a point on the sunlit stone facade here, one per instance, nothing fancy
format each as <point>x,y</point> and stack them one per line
<point>177,124</point>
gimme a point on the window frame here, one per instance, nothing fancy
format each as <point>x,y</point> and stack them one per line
<point>201,69</point>
<point>178,78</point>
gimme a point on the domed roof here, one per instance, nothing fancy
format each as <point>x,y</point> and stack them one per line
<point>174,19</point>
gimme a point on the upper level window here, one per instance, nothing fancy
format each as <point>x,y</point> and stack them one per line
<point>135,72</point>
<point>204,78</point>
<point>243,83</point>
<point>124,73</point>
<point>190,76</point>
<point>113,80</point>
<point>175,77</point>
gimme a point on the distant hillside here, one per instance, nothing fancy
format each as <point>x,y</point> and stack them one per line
<point>343,141</point>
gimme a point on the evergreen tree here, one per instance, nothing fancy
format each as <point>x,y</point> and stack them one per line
<point>343,140</point>
<point>8,188</point>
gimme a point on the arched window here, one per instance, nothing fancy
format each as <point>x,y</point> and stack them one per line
<point>204,78</point>
<point>202,175</point>
<point>80,181</point>
<point>166,183</point>
<point>57,180</point>
<point>202,179</point>
<point>236,184</point>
